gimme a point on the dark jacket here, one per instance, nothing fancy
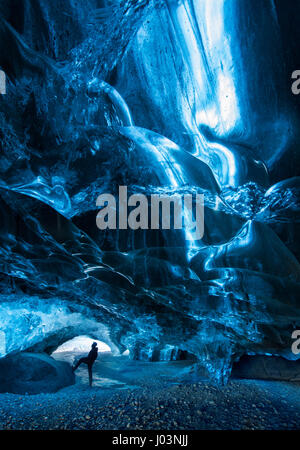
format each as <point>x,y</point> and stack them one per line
<point>92,356</point>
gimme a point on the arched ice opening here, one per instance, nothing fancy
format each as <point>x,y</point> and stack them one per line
<point>81,344</point>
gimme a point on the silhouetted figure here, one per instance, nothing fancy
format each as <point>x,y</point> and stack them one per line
<point>89,360</point>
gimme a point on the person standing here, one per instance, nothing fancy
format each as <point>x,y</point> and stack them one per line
<point>89,360</point>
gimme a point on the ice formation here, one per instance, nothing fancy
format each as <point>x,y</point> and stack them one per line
<point>188,96</point>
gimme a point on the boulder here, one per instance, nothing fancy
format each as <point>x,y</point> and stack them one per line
<point>33,373</point>
<point>262,367</point>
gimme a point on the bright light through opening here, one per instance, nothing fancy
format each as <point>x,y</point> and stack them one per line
<point>82,344</point>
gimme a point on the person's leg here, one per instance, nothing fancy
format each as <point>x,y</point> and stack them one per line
<point>82,360</point>
<point>90,374</point>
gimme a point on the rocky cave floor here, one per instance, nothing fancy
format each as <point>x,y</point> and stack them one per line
<point>156,401</point>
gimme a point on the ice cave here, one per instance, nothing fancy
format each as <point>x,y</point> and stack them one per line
<point>164,97</point>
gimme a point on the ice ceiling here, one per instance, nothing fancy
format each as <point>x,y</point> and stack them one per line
<point>190,96</point>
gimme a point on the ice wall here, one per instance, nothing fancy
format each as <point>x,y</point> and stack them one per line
<point>163,97</point>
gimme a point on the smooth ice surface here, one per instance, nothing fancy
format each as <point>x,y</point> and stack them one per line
<point>189,96</point>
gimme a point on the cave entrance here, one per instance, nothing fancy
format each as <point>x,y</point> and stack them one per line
<point>77,346</point>
<point>82,344</point>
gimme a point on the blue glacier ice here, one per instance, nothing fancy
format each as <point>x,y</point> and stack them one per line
<point>162,96</point>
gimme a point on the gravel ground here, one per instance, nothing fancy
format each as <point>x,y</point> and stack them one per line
<point>242,404</point>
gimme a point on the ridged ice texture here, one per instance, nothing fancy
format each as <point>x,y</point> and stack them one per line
<point>164,97</point>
